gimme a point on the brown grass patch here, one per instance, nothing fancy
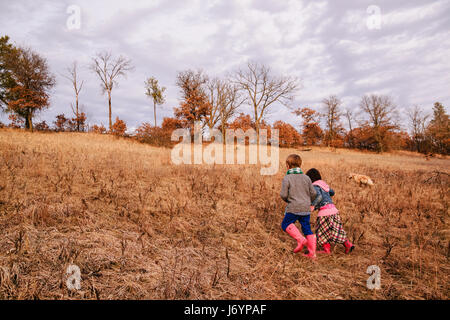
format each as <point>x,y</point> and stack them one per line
<point>141,228</point>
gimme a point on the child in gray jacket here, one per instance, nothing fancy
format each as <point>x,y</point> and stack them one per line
<point>297,190</point>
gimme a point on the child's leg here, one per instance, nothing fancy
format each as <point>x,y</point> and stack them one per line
<point>339,234</point>
<point>321,234</point>
<point>288,226</point>
<point>289,219</point>
<point>306,226</point>
<point>311,238</point>
<point>335,229</point>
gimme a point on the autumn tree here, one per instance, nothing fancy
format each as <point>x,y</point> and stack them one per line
<point>78,123</point>
<point>99,129</point>
<point>61,123</point>
<point>146,133</point>
<point>42,126</point>
<point>332,112</point>
<point>363,138</point>
<point>155,92</point>
<point>7,54</point>
<point>263,89</point>
<point>439,129</point>
<point>380,111</point>
<point>158,136</point>
<point>243,121</point>
<point>171,124</point>
<point>194,105</point>
<point>119,127</point>
<point>312,132</point>
<point>16,121</point>
<point>288,136</point>
<point>108,70</point>
<point>27,91</point>
<point>72,76</point>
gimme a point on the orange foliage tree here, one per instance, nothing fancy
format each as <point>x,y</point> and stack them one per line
<point>61,123</point>
<point>171,124</point>
<point>159,136</point>
<point>119,127</point>
<point>312,133</point>
<point>366,137</point>
<point>243,121</point>
<point>16,121</point>
<point>288,136</point>
<point>29,92</point>
<point>42,126</point>
<point>379,110</point>
<point>195,105</point>
<point>98,129</point>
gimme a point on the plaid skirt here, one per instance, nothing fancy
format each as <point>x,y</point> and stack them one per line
<point>330,229</point>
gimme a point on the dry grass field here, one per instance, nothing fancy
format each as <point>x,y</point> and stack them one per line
<point>141,228</point>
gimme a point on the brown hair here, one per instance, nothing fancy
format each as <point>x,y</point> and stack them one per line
<point>294,161</point>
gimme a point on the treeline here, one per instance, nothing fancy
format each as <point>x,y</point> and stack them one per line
<point>26,83</point>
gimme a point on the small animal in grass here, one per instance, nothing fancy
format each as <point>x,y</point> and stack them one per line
<point>361,179</point>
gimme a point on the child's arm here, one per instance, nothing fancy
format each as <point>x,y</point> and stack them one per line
<point>313,192</point>
<point>318,198</point>
<point>284,190</point>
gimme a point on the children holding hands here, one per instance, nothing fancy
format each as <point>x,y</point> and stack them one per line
<point>303,194</point>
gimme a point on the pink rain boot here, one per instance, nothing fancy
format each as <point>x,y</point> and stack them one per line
<point>326,249</point>
<point>295,233</point>
<point>348,246</point>
<point>311,245</point>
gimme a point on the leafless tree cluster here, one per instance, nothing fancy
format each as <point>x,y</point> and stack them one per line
<point>263,89</point>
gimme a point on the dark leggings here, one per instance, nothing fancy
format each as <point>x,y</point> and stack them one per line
<point>304,222</point>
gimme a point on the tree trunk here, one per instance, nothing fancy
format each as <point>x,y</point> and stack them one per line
<point>154,110</point>
<point>223,134</point>
<point>78,118</point>
<point>257,132</point>
<point>27,125</point>
<point>30,121</point>
<point>110,115</point>
<point>350,132</point>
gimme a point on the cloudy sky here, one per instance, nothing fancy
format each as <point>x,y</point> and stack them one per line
<point>348,48</point>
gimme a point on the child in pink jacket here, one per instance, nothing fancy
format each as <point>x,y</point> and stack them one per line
<point>329,225</point>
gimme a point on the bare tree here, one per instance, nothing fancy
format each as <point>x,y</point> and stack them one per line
<point>72,76</point>
<point>349,116</point>
<point>224,100</point>
<point>263,89</point>
<point>380,110</point>
<point>155,92</point>
<point>333,114</point>
<point>228,110</point>
<point>217,95</point>
<point>418,121</point>
<point>108,69</point>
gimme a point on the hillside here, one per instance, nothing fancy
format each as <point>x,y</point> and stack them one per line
<point>141,228</point>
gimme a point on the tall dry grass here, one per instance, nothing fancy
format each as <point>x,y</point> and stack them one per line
<point>141,228</point>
